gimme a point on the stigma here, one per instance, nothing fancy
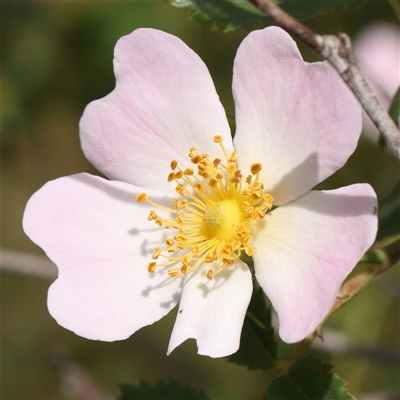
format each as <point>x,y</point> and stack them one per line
<point>212,216</point>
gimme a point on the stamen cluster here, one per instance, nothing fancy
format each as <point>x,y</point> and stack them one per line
<point>213,214</point>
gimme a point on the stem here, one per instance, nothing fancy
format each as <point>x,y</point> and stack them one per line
<point>338,51</point>
<point>301,349</point>
<point>27,264</point>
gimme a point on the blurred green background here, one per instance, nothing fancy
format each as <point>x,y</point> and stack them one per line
<point>57,57</point>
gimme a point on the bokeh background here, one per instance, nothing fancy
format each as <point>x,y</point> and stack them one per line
<point>57,57</point>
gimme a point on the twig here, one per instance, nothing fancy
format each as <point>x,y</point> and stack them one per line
<point>299,352</point>
<point>76,381</point>
<point>338,51</point>
<point>338,343</point>
<point>27,264</point>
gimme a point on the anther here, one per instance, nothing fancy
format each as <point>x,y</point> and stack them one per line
<point>152,267</point>
<point>256,195</point>
<point>196,251</point>
<point>210,274</point>
<point>179,219</point>
<point>181,189</point>
<point>142,197</point>
<point>236,245</point>
<point>256,168</point>
<point>212,182</point>
<point>157,252</point>
<point>196,159</point>
<point>218,139</point>
<point>152,216</point>
<point>184,269</point>
<point>174,164</point>
<point>233,157</point>
<point>174,272</point>
<point>216,162</point>
<point>231,168</point>
<point>268,198</point>
<point>178,175</point>
<point>209,258</point>
<point>249,250</point>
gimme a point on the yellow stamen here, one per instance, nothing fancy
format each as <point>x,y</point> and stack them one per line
<point>213,215</point>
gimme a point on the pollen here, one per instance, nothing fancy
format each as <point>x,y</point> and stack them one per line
<point>212,217</point>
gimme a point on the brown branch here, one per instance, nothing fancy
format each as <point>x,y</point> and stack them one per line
<point>336,342</point>
<point>76,382</point>
<point>338,51</point>
<point>27,264</point>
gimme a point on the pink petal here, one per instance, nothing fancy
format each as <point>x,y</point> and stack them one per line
<point>212,312</point>
<point>298,119</point>
<point>101,241</point>
<point>164,103</point>
<point>304,251</point>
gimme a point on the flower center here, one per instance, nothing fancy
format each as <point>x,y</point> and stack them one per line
<point>212,215</point>
<point>219,219</point>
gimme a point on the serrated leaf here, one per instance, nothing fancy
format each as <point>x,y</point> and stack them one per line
<point>161,390</point>
<point>394,110</point>
<point>258,346</point>
<point>310,378</point>
<point>230,15</point>
<point>225,15</point>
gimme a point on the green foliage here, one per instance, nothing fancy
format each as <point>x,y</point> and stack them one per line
<point>309,379</point>
<point>231,15</point>
<point>161,390</point>
<point>232,125</point>
<point>258,346</point>
<point>225,15</point>
<point>389,214</point>
<point>394,110</point>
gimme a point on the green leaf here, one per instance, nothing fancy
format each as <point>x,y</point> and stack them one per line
<point>258,347</point>
<point>161,390</point>
<point>225,15</point>
<point>394,110</point>
<point>230,15</point>
<point>232,125</point>
<point>389,214</point>
<point>309,379</point>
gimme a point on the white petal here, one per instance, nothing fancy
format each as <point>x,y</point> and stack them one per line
<point>212,312</point>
